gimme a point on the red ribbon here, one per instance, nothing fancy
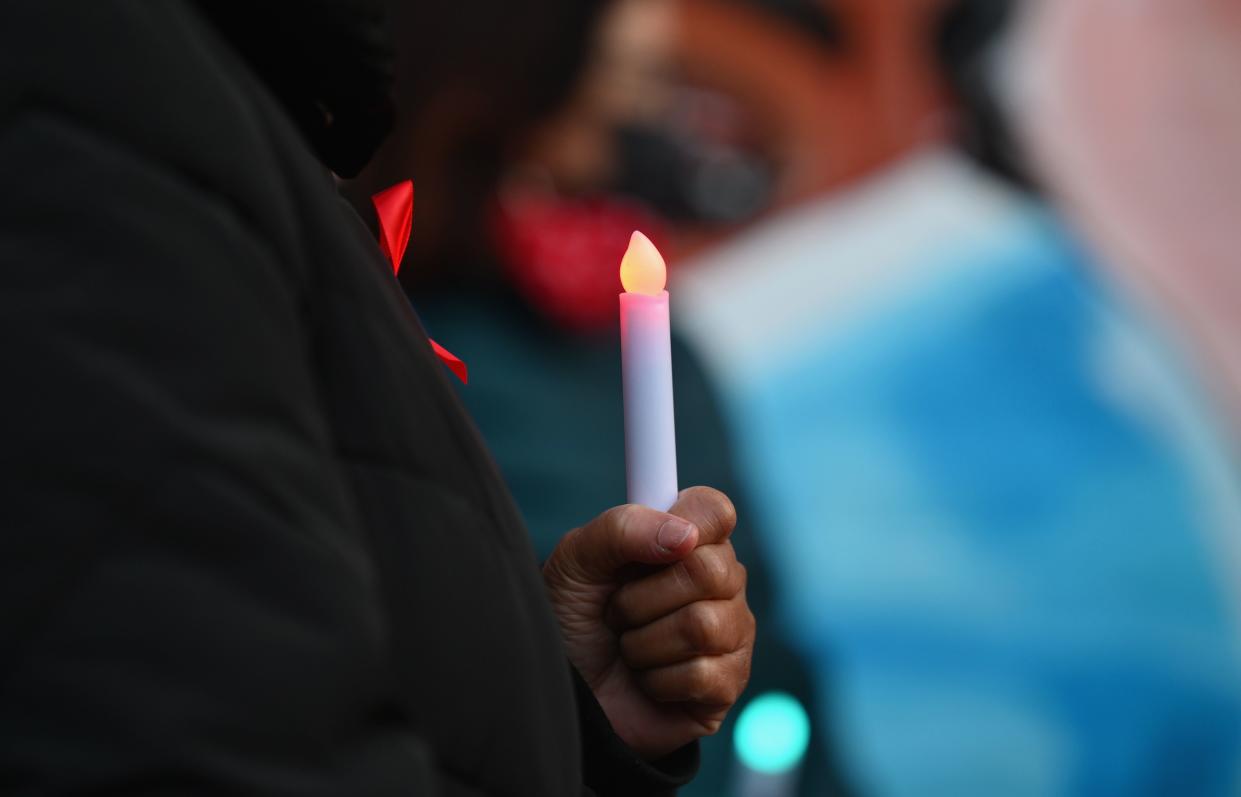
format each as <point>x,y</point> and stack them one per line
<point>453,362</point>
<point>395,208</point>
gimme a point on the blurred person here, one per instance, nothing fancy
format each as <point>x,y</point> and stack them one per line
<point>838,87</point>
<point>714,113</point>
<point>252,544</point>
<point>1014,546</point>
<point>521,281</point>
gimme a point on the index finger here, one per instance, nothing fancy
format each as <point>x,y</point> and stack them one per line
<point>709,510</point>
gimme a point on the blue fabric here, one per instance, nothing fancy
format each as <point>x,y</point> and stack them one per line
<point>990,533</point>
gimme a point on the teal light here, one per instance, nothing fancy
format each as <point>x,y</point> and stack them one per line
<point>772,733</point>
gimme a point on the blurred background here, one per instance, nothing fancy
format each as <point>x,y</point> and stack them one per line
<point>957,309</point>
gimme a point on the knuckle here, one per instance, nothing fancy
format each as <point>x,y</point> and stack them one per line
<point>624,523</point>
<point>721,689</point>
<point>717,503</point>
<point>703,627</point>
<point>709,569</point>
<point>718,680</point>
<point>701,680</point>
<point>743,677</point>
<point>684,579</point>
<point>623,517</point>
<point>727,511</point>
<point>736,576</point>
<point>730,682</point>
<point>742,631</point>
<point>568,543</point>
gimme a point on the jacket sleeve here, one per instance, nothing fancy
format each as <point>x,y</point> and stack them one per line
<point>185,606</point>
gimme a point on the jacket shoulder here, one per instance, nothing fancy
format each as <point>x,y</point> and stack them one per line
<point>152,79</point>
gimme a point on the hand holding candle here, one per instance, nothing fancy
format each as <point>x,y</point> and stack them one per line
<point>646,365</point>
<point>666,648</point>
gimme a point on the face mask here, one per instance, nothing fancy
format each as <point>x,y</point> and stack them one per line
<point>687,178</point>
<point>560,253</point>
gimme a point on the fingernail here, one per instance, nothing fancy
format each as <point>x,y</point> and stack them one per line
<point>672,533</point>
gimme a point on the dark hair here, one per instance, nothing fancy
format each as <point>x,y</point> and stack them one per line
<point>811,17</point>
<point>965,39</point>
<point>524,54</point>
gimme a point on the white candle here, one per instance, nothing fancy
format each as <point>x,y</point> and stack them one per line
<point>646,365</point>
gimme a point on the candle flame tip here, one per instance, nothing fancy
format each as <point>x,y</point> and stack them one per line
<point>642,268</point>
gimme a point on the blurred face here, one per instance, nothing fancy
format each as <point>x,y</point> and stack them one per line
<point>713,111</point>
<point>1133,109</point>
<point>624,83</point>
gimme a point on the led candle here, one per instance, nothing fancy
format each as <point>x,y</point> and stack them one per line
<point>646,365</point>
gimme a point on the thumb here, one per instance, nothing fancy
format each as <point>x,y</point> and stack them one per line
<point>625,535</point>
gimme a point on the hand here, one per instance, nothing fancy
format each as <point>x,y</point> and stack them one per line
<point>665,649</point>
